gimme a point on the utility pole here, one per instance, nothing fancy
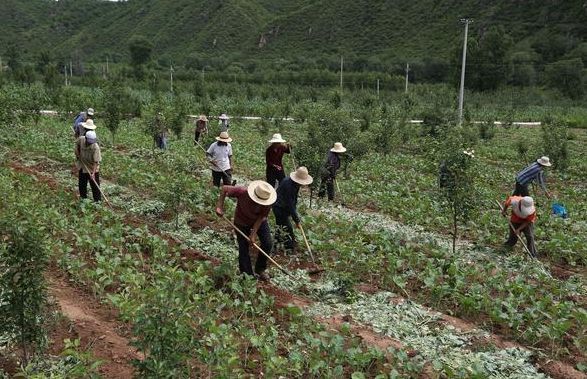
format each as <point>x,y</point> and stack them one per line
<point>70,71</point>
<point>466,21</point>
<point>341,67</point>
<point>107,65</point>
<point>377,87</point>
<point>65,74</point>
<point>171,77</point>
<point>407,76</point>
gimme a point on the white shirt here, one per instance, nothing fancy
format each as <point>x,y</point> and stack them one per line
<point>219,156</point>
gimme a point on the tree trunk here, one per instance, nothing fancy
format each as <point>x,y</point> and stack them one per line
<point>454,231</point>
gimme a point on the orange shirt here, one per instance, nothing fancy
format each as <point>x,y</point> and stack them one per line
<point>514,201</point>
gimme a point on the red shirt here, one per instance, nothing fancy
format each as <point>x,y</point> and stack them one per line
<point>274,155</point>
<point>247,211</point>
<point>515,201</point>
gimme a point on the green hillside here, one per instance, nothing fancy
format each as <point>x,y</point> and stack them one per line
<point>269,29</point>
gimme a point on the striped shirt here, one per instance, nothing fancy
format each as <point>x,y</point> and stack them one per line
<point>531,173</point>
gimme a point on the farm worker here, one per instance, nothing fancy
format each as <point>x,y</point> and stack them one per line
<point>273,159</point>
<point>201,127</point>
<point>80,118</point>
<point>331,166</point>
<point>253,204</point>
<point>286,206</point>
<point>220,157</point>
<point>534,172</point>
<point>223,122</point>
<point>160,131</point>
<point>85,127</point>
<point>87,152</point>
<point>522,220</point>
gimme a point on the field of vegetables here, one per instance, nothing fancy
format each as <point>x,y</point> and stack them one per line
<point>392,299</point>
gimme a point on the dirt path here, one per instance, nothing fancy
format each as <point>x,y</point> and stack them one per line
<point>96,327</point>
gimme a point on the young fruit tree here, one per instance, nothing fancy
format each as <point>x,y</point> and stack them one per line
<point>23,258</point>
<point>456,181</point>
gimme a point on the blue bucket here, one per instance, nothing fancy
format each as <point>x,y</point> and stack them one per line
<point>559,210</point>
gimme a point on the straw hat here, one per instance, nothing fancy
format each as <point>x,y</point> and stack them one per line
<point>223,117</point>
<point>90,111</point>
<point>524,207</point>
<point>89,125</point>
<point>544,161</point>
<point>276,139</point>
<point>301,176</point>
<point>91,137</point>
<point>203,118</point>
<point>223,137</point>
<point>338,148</point>
<point>262,192</point>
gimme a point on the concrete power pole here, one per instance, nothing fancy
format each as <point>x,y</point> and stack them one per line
<point>171,77</point>
<point>341,67</point>
<point>407,72</point>
<point>466,21</point>
<point>377,87</point>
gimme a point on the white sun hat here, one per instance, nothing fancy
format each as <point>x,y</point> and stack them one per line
<point>544,161</point>
<point>223,117</point>
<point>223,137</point>
<point>524,207</point>
<point>91,137</point>
<point>89,125</point>
<point>301,176</point>
<point>338,148</point>
<point>276,139</point>
<point>90,111</point>
<point>203,118</point>
<point>262,192</point>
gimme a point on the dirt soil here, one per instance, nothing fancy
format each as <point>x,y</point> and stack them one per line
<point>96,326</point>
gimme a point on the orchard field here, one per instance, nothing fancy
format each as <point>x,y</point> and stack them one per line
<point>147,285</point>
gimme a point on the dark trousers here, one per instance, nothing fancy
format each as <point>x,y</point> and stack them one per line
<point>83,179</point>
<point>528,232</point>
<point>521,190</point>
<point>274,176</point>
<point>327,185</point>
<point>284,232</point>
<point>225,176</point>
<point>264,241</point>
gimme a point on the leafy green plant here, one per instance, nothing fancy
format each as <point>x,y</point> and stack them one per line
<point>23,259</point>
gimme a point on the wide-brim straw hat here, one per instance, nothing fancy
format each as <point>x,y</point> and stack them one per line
<point>262,192</point>
<point>524,207</point>
<point>203,118</point>
<point>90,111</point>
<point>276,139</point>
<point>544,161</point>
<point>301,176</point>
<point>223,137</point>
<point>223,117</point>
<point>89,125</point>
<point>338,148</point>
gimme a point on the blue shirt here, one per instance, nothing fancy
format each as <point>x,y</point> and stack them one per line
<point>78,120</point>
<point>531,173</point>
<point>287,198</point>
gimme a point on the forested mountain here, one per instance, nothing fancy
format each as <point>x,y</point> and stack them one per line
<point>366,31</point>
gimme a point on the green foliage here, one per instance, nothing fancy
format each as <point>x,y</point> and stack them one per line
<point>457,176</point>
<point>73,364</point>
<point>23,258</point>
<point>140,49</point>
<point>555,143</point>
<point>114,101</point>
<point>568,76</point>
